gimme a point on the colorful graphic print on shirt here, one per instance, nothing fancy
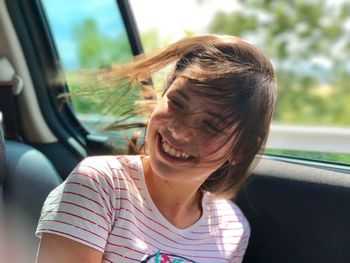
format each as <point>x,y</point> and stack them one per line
<point>160,257</point>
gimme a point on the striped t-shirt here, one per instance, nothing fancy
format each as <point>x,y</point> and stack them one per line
<point>104,204</point>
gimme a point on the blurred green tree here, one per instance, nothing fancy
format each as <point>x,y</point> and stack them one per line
<point>309,42</point>
<point>96,50</point>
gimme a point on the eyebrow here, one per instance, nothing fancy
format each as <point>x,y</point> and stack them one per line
<point>216,115</point>
<point>213,114</point>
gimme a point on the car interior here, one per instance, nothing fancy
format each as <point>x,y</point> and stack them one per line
<point>297,209</point>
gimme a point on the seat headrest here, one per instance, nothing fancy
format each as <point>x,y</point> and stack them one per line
<point>8,76</point>
<point>2,158</point>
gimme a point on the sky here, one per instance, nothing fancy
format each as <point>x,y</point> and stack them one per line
<point>64,15</point>
<point>177,15</point>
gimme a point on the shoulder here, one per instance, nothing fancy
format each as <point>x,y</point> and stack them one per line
<point>232,227</point>
<point>106,169</point>
<point>228,213</point>
<point>95,167</point>
<point>115,171</point>
<point>108,165</point>
<point>105,161</point>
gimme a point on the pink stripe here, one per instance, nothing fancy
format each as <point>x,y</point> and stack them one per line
<point>125,199</point>
<point>71,214</point>
<point>130,167</point>
<point>92,179</point>
<point>60,196</point>
<point>65,223</point>
<point>115,253</point>
<point>99,173</point>
<point>141,201</point>
<point>83,196</point>
<point>95,180</point>
<point>125,247</point>
<point>208,232</point>
<point>154,221</point>
<point>98,183</point>
<point>125,162</point>
<point>221,209</point>
<point>129,181</point>
<point>120,169</point>
<point>92,189</point>
<point>218,236</point>
<point>149,218</point>
<point>55,231</point>
<point>239,218</point>
<point>134,178</point>
<point>98,193</point>
<point>122,159</point>
<point>225,222</point>
<point>127,238</point>
<point>86,186</point>
<point>73,204</point>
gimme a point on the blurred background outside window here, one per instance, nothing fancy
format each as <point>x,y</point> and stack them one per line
<point>307,41</point>
<point>309,45</point>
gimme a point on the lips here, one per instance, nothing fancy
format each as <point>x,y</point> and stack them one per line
<point>172,152</point>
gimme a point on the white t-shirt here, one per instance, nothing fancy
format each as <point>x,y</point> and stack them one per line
<point>105,204</point>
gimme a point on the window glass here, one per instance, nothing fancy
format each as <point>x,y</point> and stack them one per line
<point>90,36</point>
<point>309,44</point>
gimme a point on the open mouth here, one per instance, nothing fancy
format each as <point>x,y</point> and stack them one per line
<point>170,152</point>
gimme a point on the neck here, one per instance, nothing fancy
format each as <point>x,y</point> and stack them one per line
<point>179,202</point>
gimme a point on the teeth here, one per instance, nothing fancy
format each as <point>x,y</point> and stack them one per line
<point>171,151</point>
<point>184,155</point>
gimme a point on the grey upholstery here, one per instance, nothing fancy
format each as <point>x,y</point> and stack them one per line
<point>297,214</point>
<point>28,179</point>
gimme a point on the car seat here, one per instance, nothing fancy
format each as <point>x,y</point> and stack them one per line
<point>26,178</point>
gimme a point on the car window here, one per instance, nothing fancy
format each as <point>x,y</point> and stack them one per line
<point>309,45</point>
<point>90,36</point>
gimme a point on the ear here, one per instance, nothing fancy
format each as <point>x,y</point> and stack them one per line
<point>235,160</point>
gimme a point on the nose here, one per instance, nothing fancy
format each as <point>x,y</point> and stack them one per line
<point>180,131</point>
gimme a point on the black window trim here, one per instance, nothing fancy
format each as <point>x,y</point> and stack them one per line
<point>36,39</point>
<point>343,168</point>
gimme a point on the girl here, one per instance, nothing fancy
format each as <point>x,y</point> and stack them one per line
<point>172,205</point>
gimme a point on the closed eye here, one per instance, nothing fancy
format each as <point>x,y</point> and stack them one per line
<point>173,102</point>
<point>211,127</point>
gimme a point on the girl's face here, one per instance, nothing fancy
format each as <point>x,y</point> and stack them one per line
<point>184,136</point>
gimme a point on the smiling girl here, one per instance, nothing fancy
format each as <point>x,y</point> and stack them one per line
<point>173,204</point>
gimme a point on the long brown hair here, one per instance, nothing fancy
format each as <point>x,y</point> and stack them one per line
<point>236,77</point>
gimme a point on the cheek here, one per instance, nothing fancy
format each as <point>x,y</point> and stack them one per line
<point>212,148</point>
